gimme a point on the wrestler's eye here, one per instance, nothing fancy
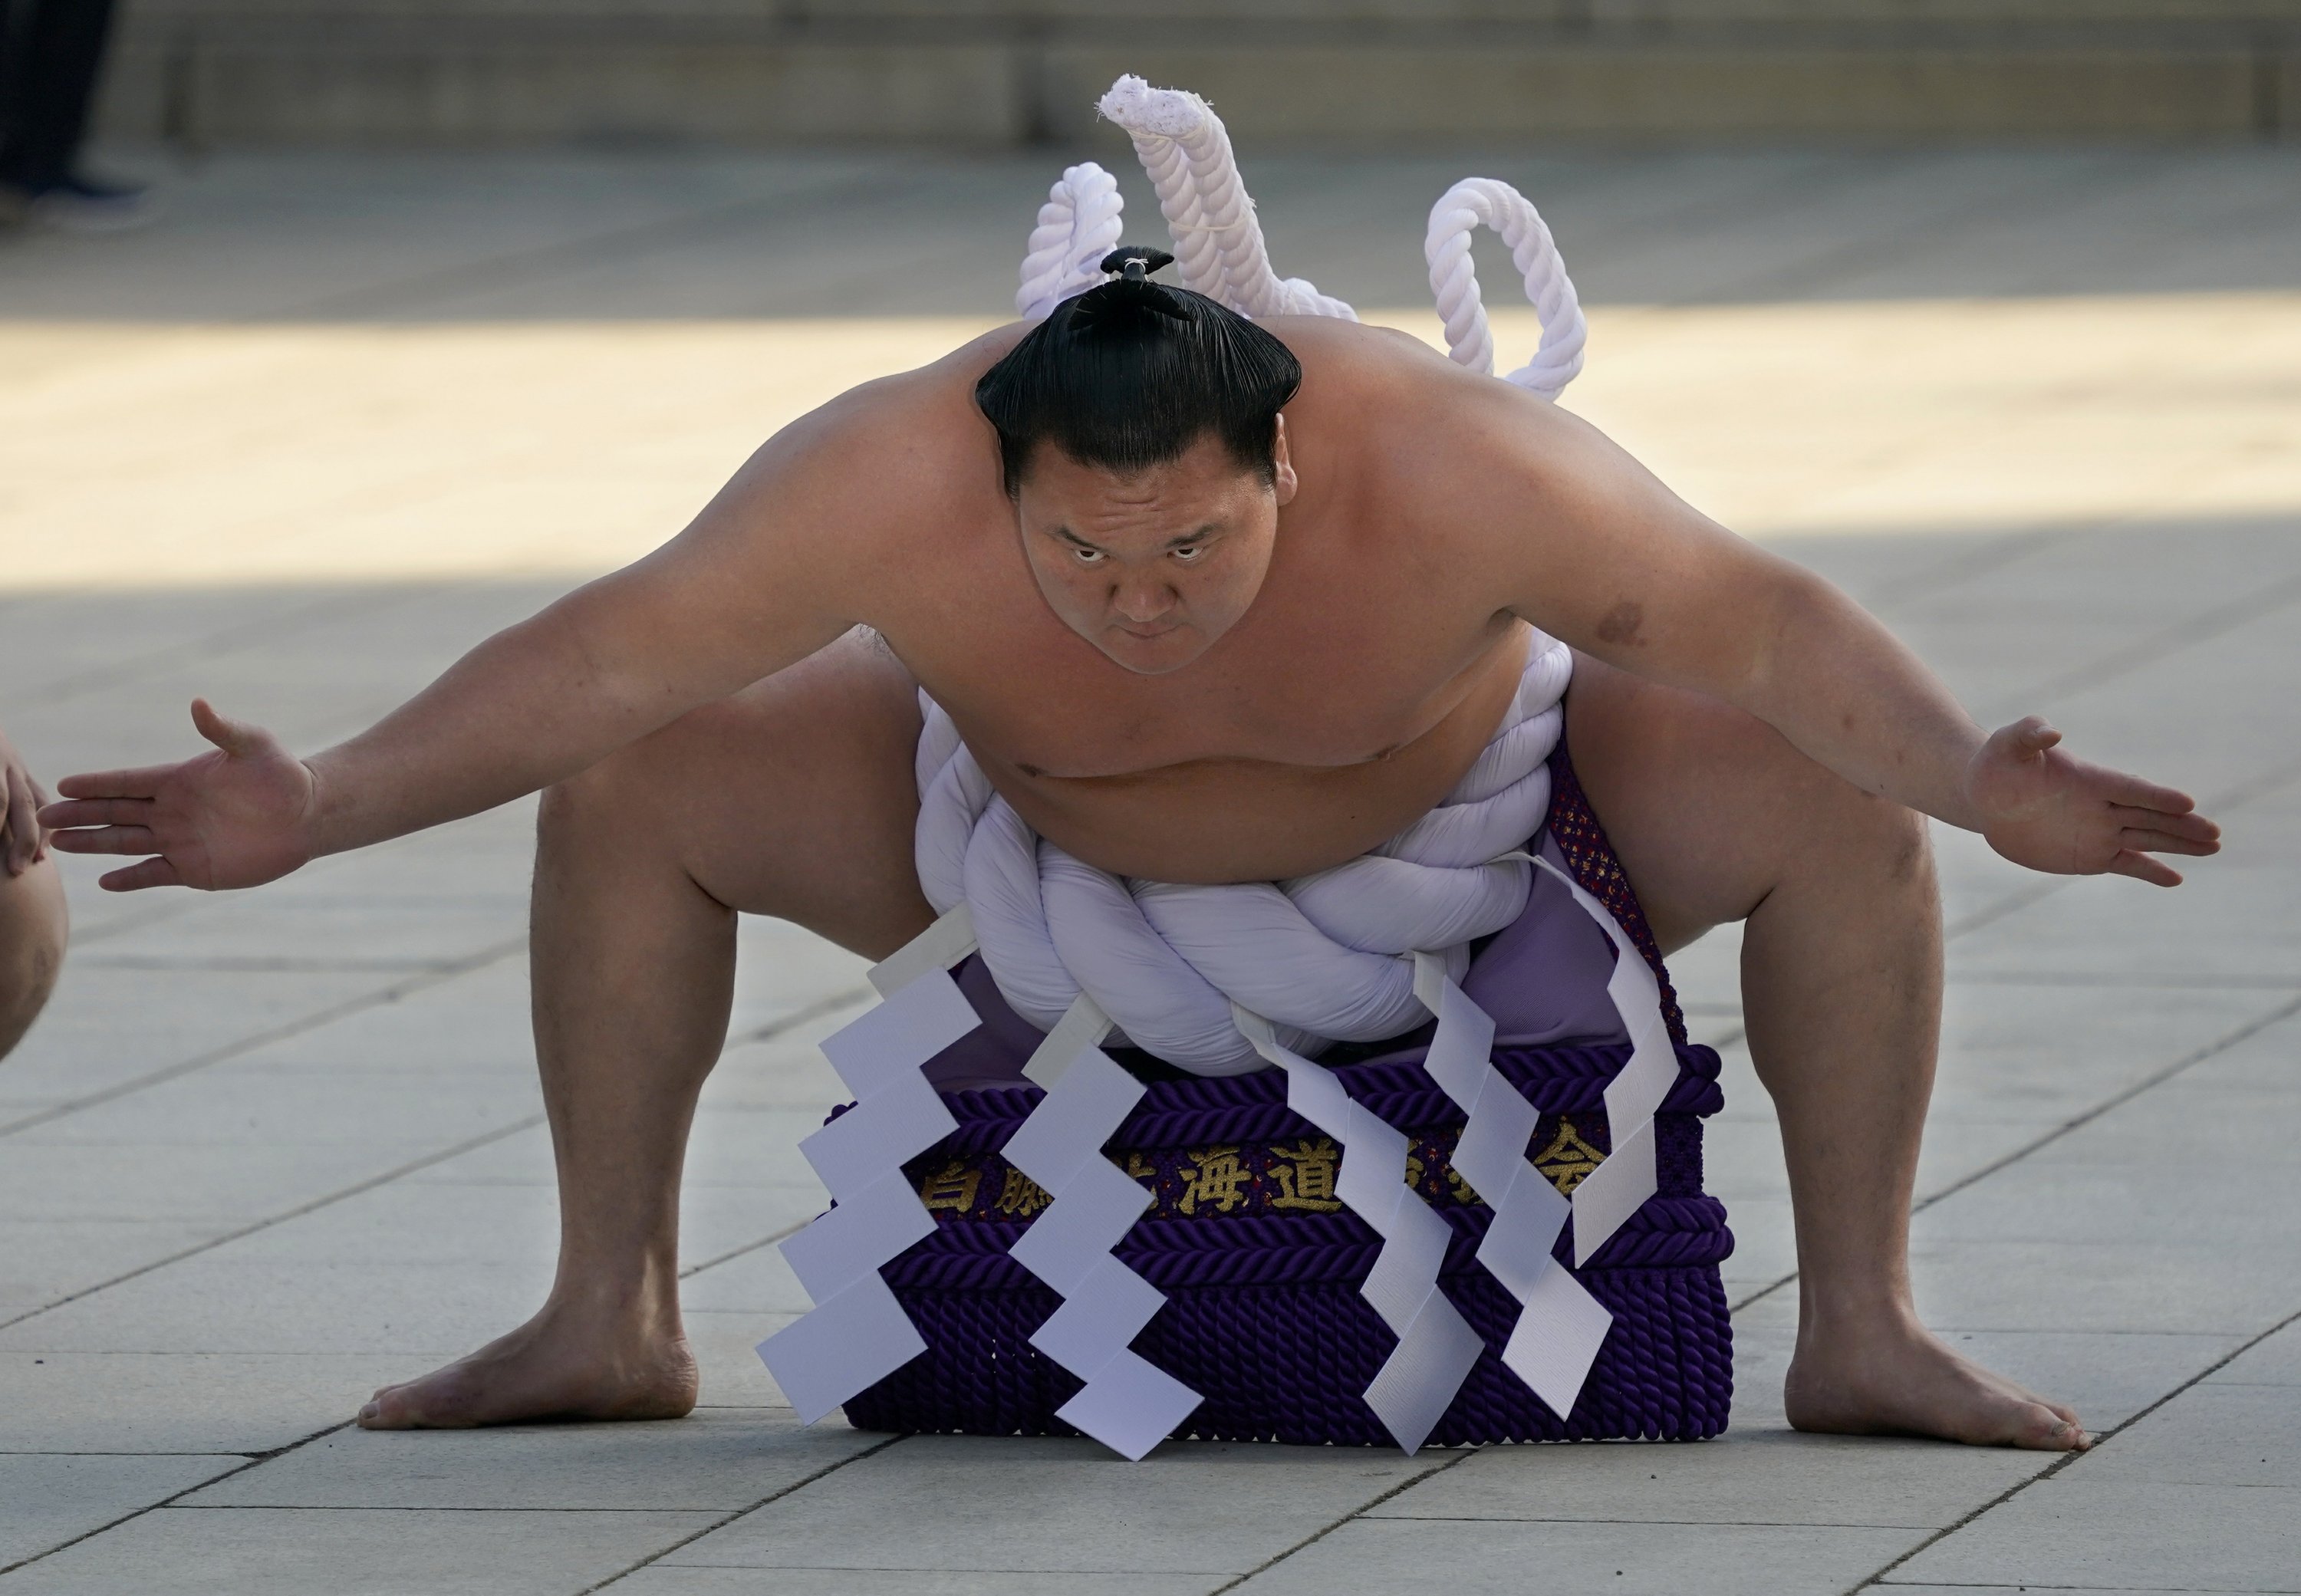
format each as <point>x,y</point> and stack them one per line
<point>1189,552</point>
<point>1087,556</point>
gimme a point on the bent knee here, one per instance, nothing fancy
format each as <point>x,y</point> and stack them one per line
<point>1875,835</point>
<point>629,783</point>
<point>34,929</point>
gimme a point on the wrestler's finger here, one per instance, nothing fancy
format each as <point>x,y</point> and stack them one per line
<point>151,873</point>
<point>2148,794</point>
<point>144,782</point>
<point>97,812</point>
<point>2140,840</point>
<point>2197,828</point>
<point>233,737</point>
<point>2032,735</point>
<point>2141,867</point>
<point>107,840</point>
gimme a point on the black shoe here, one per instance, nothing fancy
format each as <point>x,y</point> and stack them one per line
<point>80,205</point>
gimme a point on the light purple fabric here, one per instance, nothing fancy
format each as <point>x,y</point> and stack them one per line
<point>1543,978</point>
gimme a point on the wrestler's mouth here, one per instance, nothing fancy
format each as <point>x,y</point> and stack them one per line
<point>1149,633</point>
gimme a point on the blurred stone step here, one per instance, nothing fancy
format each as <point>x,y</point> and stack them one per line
<point>1000,72</point>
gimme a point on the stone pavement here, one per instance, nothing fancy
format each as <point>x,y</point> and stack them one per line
<point>339,417</point>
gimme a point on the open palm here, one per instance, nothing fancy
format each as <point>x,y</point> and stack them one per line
<point>2040,808</point>
<point>233,817</point>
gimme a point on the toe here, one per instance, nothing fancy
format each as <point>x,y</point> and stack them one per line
<point>385,1410</point>
<point>416,1406</point>
<point>2042,1428</point>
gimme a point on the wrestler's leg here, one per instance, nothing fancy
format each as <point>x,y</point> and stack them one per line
<point>33,928</point>
<point>1716,818</point>
<point>793,798</point>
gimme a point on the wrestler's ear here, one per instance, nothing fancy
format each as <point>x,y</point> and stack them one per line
<point>1283,481</point>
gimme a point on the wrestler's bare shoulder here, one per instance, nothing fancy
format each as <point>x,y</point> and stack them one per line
<point>860,496</point>
<point>1432,443</point>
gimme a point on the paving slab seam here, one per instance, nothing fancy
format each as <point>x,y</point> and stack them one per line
<point>2275,1016</point>
<point>1892,245</point>
<point>1953,1584</point>
<point>2004,549</point>
<point>745,1250</point>
<point>2252,1028</point>
<point>232,639</point>
<point>1876,247</point>
<point>1775,196</point>
<point>1459,1457</point>
<point>2228,800</point>
<point>162,908</point>
<point>255,1460</point>
<point>486,1138</point>
<point>391,993</point>
<point>1087,1574</point>
<point>846,997</point>
<point>262,965</point>
<point>2123,983</point>
<point>827,1470</point>
<point>772,1029</point>
<point>542,262</point>
<point>387,1508</point>
<point>115,1452</point>
<point>2170,639</point>
<point>1644,1523</point>
<point>2066,1459</point>
<point>2028,895</point>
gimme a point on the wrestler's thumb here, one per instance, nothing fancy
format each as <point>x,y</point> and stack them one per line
<point>233,737</point>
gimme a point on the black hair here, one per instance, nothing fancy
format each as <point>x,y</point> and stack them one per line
<point>1130,374</point>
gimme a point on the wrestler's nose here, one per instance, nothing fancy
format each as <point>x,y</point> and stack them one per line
<point>1142,599</point>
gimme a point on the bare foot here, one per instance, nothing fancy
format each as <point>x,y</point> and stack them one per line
<point>559,1364</point>
<point>1894,1378</point>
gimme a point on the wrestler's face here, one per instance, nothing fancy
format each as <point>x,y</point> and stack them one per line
<point>1152,569</point>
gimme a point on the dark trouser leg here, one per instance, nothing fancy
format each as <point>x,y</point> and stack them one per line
<point>58,49</point>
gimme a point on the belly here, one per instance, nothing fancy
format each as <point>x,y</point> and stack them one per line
<point>1232,821</point>
<point>1216,821</point>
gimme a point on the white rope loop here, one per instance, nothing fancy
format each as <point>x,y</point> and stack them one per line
<point>1483,201</point>
<point>1218,246</point>
<point>1078,225</point>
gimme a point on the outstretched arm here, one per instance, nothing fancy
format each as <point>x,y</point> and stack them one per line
<point>1600,554</point>
<point>750,587</point>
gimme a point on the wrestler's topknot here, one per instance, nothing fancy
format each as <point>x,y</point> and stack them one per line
<point>1131,373</point>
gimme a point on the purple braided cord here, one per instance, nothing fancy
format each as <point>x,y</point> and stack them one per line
<point>1263,1314</point>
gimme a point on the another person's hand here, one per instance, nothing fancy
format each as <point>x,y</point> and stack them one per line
<point>235,817</point>
<point>2039,807</point>
<point>20,797</point>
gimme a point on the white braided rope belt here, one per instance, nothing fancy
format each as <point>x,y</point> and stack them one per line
<point>1219,980</point>
<point>1319,955</point>
<point>1360,952</point>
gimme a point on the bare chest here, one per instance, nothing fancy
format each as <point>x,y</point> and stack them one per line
<point>1313,681</point>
